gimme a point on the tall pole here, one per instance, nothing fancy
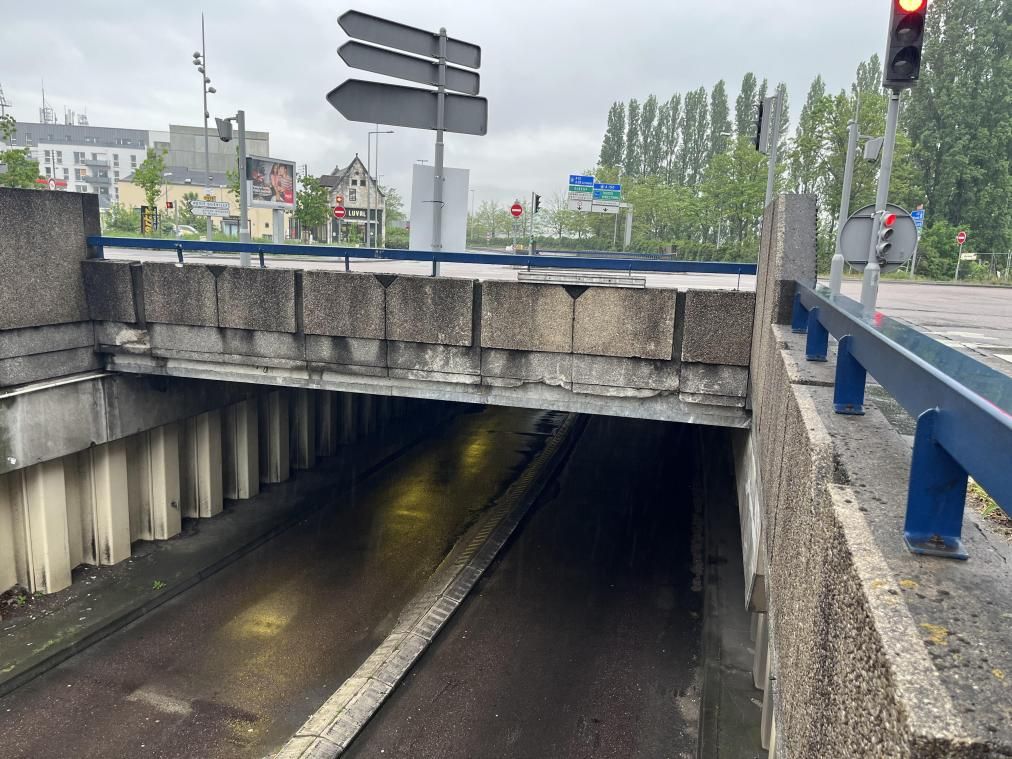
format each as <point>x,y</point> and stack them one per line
<point>377,239</point>
<point>240,121</point>
<point>836,267</point>
<point>203,87</point>
<point>368,182</point>
<point>873,270</point>
<point>959,257</point>
<point>437,177</point>
<point>771,176</point>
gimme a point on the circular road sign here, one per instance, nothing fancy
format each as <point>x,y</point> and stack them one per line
<point>855,238</point>
<point>516,210</point>
<point>961,237</point>
<point>339,212</point>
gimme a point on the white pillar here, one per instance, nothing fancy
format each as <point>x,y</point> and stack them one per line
<point>107,506</point>
<point>273,422</point>
<point>200,466</point>
<point>346,421</point>
<point>766,729</point>
<point>40,527</point>
<point>165,514</point>
<point>303,419</point>
<point>761,652</point>
<point>8,560</point>
<point>240,450</point>
<point>326,423</point>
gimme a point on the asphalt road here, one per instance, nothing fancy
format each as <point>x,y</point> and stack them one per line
<point>232,667</point>
<point>584,638</point>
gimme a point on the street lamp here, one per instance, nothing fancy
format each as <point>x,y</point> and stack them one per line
<point>200,61</point>
<point>368,181</point>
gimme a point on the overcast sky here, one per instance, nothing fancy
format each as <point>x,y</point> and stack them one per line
<point>550,69</point>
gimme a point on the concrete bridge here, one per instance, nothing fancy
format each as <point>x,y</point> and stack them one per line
<point>134,394</point>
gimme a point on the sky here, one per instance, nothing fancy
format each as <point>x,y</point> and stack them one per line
<point>550,70</point>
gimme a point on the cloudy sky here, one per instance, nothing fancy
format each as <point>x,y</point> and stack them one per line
<point>550,69</point>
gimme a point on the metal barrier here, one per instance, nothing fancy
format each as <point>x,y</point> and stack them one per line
<point>963,410</point>
<point>98,243</point>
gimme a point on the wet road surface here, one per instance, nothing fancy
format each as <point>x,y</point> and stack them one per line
<point>583,638</point>
<point>233,667</point>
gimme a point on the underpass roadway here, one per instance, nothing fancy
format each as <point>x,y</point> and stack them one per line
<point>232,667</point>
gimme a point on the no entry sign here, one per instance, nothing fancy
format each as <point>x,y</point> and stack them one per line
<point>516,209</point>
<point>961,237</point>
<point>339,212</point>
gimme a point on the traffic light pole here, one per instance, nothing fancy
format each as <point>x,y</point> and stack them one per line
<point>774,137</point>
<point>873,271</point>
<point>437,179</point>
<point>240,122</point>
<point>836,266</point>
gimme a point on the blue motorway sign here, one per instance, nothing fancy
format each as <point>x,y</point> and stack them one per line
<point>918,217</point>
<point>581,179</point>
<point>604,191</point>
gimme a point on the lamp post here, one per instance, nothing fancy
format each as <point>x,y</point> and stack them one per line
<point>175,208</point>
<point>200,61</point>
<point>368,180</point>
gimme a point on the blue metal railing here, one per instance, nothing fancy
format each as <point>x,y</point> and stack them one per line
<point>963,410</point>
<point>494,259</point>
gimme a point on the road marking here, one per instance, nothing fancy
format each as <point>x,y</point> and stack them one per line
<point>1005,356</point>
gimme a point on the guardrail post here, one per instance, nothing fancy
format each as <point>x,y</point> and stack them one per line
<point>817,344</point>
<point>799,317</point>
<point>936,497</point>
<point>848,393</point>
<point>179,253</point>
<point>260,251</point>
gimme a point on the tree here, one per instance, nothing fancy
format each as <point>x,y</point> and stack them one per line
<point>648,137</point>
<point>150,176</point>
<point>119,218</point>
<point>186,216</point>
<point>673,129</point>
<point>22,170</point>
<point>692,159</point>
<point>633,155</point>
<point>393,205</point>
<point>805,156</point>
<point>312,203</point>
<point>720,121</point>
<point>614,137</point>
<point>745,107</point>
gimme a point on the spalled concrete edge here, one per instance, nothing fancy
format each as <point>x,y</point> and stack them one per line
<point>332,728</point>
<point>44,660</point>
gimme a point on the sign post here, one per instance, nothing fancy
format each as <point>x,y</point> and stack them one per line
<point>412,107</point>
<point>960,239</point>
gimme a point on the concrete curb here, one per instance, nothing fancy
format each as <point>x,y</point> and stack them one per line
<point>331,729</point>
<point>56,655</point>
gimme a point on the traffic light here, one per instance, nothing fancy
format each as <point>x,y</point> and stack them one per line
<point>885,235</point>
<point>759,125</point>
<point>537,203</point>
<point>903,46</point>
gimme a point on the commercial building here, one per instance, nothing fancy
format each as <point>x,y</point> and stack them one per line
<point>363,200</point>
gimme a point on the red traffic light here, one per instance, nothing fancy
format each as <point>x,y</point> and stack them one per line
<point>888,220</point>
<point>911,6</point>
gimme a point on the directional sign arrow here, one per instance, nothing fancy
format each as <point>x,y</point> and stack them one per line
<point>381,31</point>
<point>389,63</point>
<point>379,103</point>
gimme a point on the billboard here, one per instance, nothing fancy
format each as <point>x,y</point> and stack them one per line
<point>271,183</point>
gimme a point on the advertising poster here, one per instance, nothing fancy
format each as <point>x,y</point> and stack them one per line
<point>271,183</point>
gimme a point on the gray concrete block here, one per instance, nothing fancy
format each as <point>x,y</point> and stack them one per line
<point>42,242</point>
<point>456,378</point>
<point>44,366</point>
<point>520,367</point>
<point>522,316</point>
<point>116,335</point>
<point>625,372</point>
<point>51,337</point>
<point>180,294</point>
<point>620,321</point>
<point>433,358</point>
<point>713,400</point>
<point>714,379</point>
<point>352,351</point>
<point>718,326</point>
<point>257,299</point>
<point>109,288</point>
<point>430,310</point>
<point>214,341</point>
<point>343,304</point>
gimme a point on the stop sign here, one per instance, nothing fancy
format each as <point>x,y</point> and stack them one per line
<point>961,237</point>
<point>339,212</point>
<point>516,209</point>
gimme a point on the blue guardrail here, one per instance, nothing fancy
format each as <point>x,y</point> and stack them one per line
<point>963,410</point>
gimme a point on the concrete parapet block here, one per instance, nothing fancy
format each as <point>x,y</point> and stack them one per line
<point>354,355</point>
<point>343,304</point>
<point>257,299</point>
<point>714,379</point>
<point>626,373</point>
<point>200,467</point>
<point>43,366</point>
<point>431,310</point>
<point>303,428</point>
<point>275,461</point>
<point>109,288</point>
<point>507,368</point>
<point>240,435</point>
<point>180,294</point>
<point>523,316</point>
<point>619,321</point>
<point>718,327</point>
<point>42,242</point>
<point>429,357</point>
